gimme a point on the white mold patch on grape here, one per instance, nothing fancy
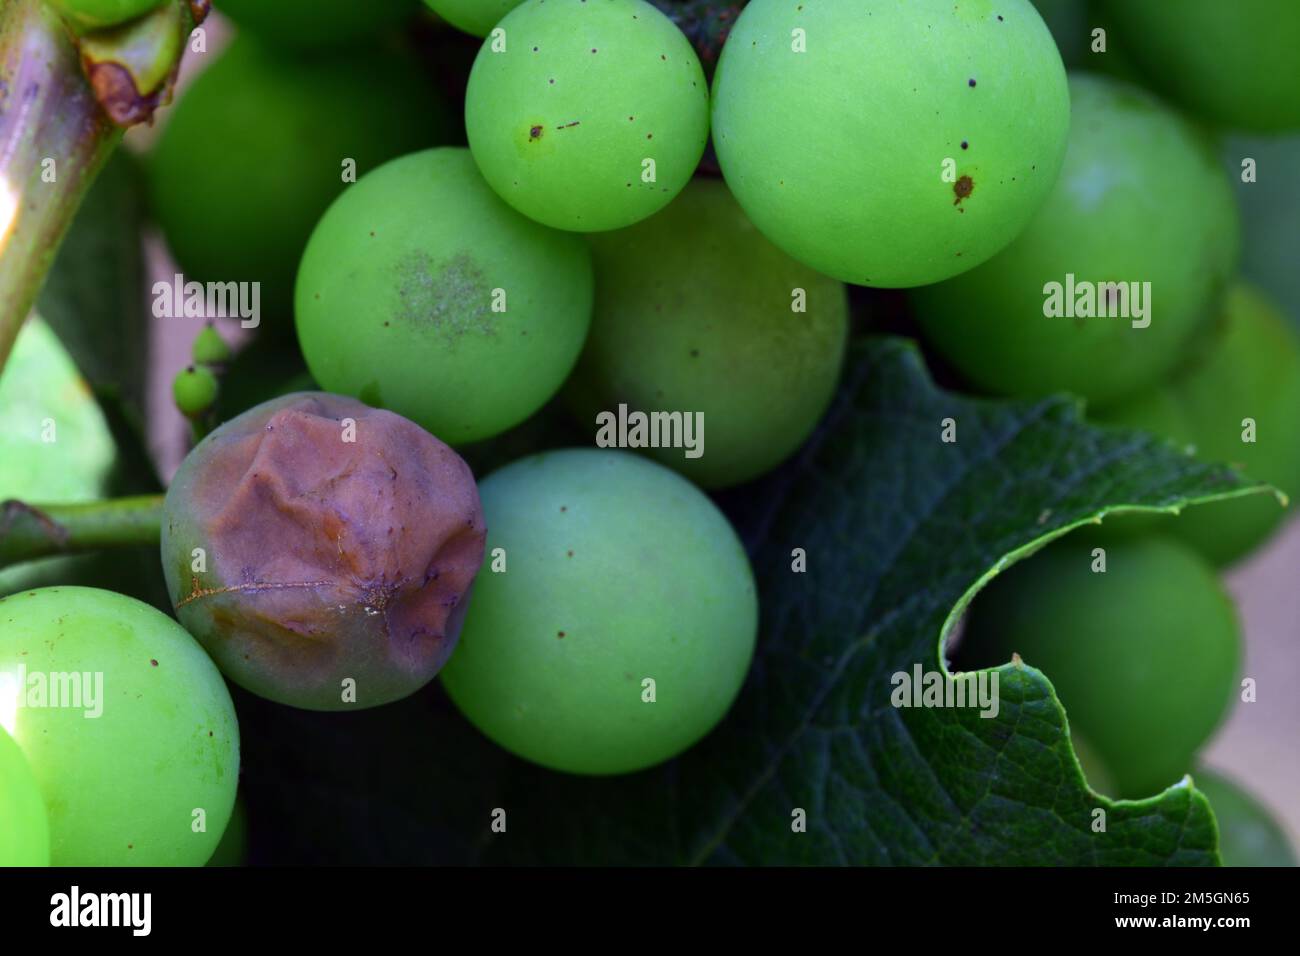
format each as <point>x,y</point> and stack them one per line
<point>450,298</point>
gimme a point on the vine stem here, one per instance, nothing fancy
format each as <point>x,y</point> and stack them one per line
<point>29,532</point>
<point>54,138</point>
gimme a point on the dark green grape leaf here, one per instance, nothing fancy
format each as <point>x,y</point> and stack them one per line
<point>95,300</point>
<point>898,527</point>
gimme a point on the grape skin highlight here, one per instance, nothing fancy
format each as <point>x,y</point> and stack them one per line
<point>24,826</point>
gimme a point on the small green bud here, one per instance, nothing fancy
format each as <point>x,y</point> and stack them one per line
<point>195,391</point>
<point>210,348</point>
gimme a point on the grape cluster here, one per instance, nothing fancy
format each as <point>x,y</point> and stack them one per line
<point>466,219</point>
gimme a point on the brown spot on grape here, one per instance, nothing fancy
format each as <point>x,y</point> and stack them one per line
<point>534,133</point>
<point>962,188</point>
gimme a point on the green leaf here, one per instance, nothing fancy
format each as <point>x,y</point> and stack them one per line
<point>899,528</point>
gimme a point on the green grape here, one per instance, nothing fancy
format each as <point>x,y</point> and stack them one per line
<point>1231,63</point>
<point>1250,369</point>
<point>473,16</point>
<point>886,143</point>
<point>316,22</point>
<point>422,292</point>
<point>1248,834</point>
<point>1143,656</point>
<point>93,14</point>
<point>1094,771</point>
<point>210,348</point>
<point>587,116</point>
<point>695,313</point>
<point>254,152</point>
<point>126,724</point>
<point>1122,212</point>
<point>24,826</point>
<point>621,624</point>
<point>55,443</point>
<point>195,391</point>
<point>1268,204</point>
<point>233,848</point>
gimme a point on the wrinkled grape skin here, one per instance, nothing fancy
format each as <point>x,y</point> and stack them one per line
<point>24,825</point>
<point>1141,198</point>
<point>316,22</point>
<point>121,789</point>
<point>694,314</point>
<point>838,153</point>
<point>325,560</point>
<point>410,322</point>
<point>562,122</point>
<point>1234,63</point>
<point>617,570</point>
<point>252,155</point>
<point>477,17</point>
<point>1142,657</point>
<point>1249,369</point>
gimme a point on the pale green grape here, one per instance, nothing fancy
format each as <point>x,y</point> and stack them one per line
<point>622,623</point>
<point>887,143</point>
<point>1141,201</point>
<point>697,313</point>
<point>24,826</point>
<point>233,848</point>
<point>587,116</point>
<point>473,16</point>
<point>423,293</point>
<point>125,723</point>
<point>1248,834</point>
<point>1142,655</point>
<point>1238,402</point>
